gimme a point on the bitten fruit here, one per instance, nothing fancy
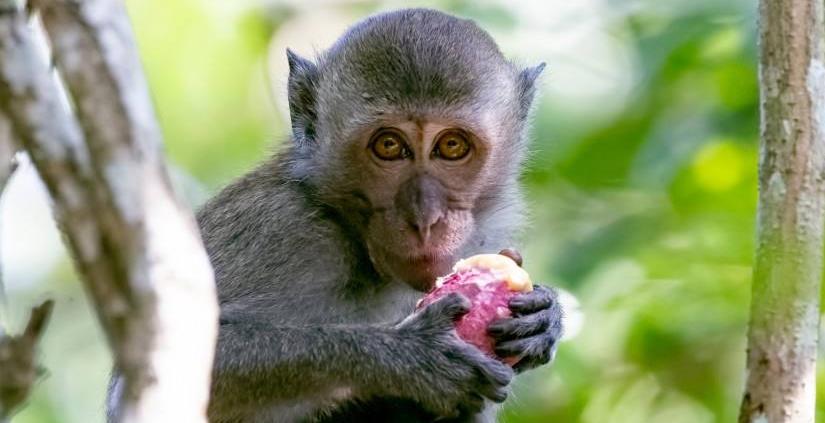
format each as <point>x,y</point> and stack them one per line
<point>488,281</point>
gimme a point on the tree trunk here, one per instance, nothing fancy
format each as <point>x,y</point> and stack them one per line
<point>784,325</point>
<point>135,244</point>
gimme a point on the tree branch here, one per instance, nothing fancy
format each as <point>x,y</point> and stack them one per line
<point>7,151</point>
<point>8,148</point>
<point>18,370</point>
<point>784,325</point>
<point>135,243</point>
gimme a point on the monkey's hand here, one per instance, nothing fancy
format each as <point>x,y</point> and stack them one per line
<point>443,373</point>
<point>531,334</point>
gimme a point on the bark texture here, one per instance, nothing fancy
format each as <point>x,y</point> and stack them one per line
<point>135,243</point>
<point>784,326</point>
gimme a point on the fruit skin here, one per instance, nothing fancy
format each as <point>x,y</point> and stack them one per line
<point>490,296</point>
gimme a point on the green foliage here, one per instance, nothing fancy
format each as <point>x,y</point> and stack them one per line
<point>645,213</point>
<point>648,219</point>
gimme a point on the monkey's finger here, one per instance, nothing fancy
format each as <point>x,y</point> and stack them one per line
<point>451,307</point>
<point>514,348</point>
<point>536,350</point>
<point>540,298</point>
<point>498,373</point>
<point>492,372</point>
<point>513,254</point>
<point>496,392</point>
<point>499,394</point>
<point>520,327</point>
<point>534,346</point>
<point>531,362</point>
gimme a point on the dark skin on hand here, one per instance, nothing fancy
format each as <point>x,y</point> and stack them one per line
<point>534,329</point>
<point>408,137</point>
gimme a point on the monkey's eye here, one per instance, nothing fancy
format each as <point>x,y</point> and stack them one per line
<point>452,145</point>
<point>388,145</point>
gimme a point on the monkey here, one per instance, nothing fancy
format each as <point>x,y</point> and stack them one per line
<point>408,136</point>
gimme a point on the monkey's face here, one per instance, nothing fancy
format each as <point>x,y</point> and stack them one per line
<point>412,130</point>
<point>418,182</point>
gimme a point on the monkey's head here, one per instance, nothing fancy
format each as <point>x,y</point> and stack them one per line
<point>411,127</point>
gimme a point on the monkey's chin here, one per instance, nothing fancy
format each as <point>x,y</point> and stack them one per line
<point>421,272</point>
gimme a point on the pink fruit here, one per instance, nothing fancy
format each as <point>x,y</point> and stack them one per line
<point>488,281</point>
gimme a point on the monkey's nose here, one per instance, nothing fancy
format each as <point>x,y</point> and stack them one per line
<point>421,201</point>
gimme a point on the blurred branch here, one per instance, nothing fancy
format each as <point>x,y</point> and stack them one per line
<point>7,151</point>
<point>784,325</point>
<point>134,242</point>
<point>8,148</point>
<point>18,370</point>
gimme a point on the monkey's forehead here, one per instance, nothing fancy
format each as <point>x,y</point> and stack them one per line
<point>415,54</point>
<point>414,83</point>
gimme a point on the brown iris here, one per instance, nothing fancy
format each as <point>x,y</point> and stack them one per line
<point>389,145</point>
<point>452,145</point>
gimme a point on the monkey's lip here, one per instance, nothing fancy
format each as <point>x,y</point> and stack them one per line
<point>420,271</point>
<point>429,257</point>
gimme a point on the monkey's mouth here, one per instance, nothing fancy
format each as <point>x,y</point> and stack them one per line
<point>416,265</point>
<point>421,271</point>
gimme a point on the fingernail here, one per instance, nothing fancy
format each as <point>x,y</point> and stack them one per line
<point>517,303</point>
<point>513,254</point>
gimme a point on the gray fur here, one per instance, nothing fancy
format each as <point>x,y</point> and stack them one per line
<point>311,329</point>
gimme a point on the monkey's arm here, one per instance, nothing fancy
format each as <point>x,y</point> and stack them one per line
<point>260,365</point>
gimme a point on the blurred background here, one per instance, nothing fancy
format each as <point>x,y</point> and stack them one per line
<point>642,185</point>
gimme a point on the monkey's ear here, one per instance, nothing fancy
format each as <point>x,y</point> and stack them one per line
<point>527,88</point>
<point>301,89</point>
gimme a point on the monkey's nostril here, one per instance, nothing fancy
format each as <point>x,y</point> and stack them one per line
<point>424,228</point>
